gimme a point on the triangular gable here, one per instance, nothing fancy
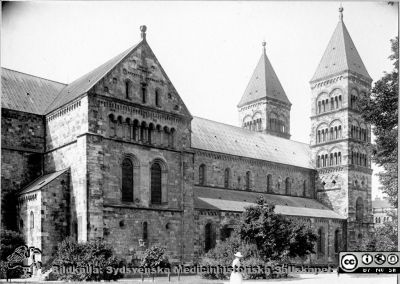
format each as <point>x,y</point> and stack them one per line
<point>141,66</point>
<point>185,109</point>
<point>340,55</point>
<point>263,83</point>
<point>94,80</point>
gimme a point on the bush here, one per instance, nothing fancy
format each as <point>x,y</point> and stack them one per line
<point>276,236</point>
<point>10,240</point>
<point>92,261</point>
<point>155,257</point>
<point>223,255</point>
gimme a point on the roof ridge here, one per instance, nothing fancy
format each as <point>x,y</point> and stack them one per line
<point>13,70</point>
<point>249,131</point>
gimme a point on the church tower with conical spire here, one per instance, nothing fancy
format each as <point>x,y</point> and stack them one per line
<point>340,138</point>
<point>264,106</point>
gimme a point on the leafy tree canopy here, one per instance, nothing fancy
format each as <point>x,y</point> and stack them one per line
<point>380,109</point>
<point>276,237</point>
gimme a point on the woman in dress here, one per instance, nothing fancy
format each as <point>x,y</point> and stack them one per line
<point>236,276</point>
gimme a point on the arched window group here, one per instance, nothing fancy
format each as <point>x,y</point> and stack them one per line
<point>328,160</point>
<point>325,133</point>
<point>277,124</point>
<point>359,209</point>
<point>254,125</point>
<point>359,159</point>
<point>143,132</point>
<point>130,179</point>
<point>383,219</point>
<point>359,133</point>
<point>324,103</point>
<point>248,182</point>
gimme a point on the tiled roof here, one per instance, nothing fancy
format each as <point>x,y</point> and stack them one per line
<point>263,83</point>
<point>42,181</point>
<point>218,137</point>
<point>87,81</point>
<point>237,200</point>
<point>381,203</point>
<point>340,55</point>
<point>27,93</point>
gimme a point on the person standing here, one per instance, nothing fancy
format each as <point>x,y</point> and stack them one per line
<point>236,276</point>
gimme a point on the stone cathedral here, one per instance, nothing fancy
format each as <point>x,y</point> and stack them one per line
<point>116,154</point>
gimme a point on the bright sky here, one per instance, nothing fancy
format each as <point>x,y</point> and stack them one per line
<point>208,49</point>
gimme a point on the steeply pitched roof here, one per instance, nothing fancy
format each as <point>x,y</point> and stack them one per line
<point>340,55</point>
<point>87,81</point>
<point>218,137</point>
<point>42,181</point>
<point>263,83</point>
<point>27,93</point>
<point>236,201</point>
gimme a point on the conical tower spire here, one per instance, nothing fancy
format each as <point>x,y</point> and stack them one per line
<point>264,83</point>
<point>340,55</point>
<point>264,106</point>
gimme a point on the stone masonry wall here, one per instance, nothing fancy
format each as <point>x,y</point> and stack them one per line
<point>55,214</point>
<point>339,186</point>
<point>216,165</point>
<point>66,148</point>
<point>120,123</point>
<point>30,205</point>
<point>123,227</point>
<point>22,142</point>
<point>264,109</point>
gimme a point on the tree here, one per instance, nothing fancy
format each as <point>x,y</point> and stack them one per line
<point>94,261</point>
<point>383,239</point>
<point>380,108</point>
<point>10,240</point>
<point>276,237</point>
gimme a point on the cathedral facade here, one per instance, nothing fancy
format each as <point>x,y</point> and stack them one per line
<point>116,154</point>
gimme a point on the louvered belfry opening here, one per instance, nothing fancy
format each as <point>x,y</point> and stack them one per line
<point>127,180</point>
<point>156,183</point>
